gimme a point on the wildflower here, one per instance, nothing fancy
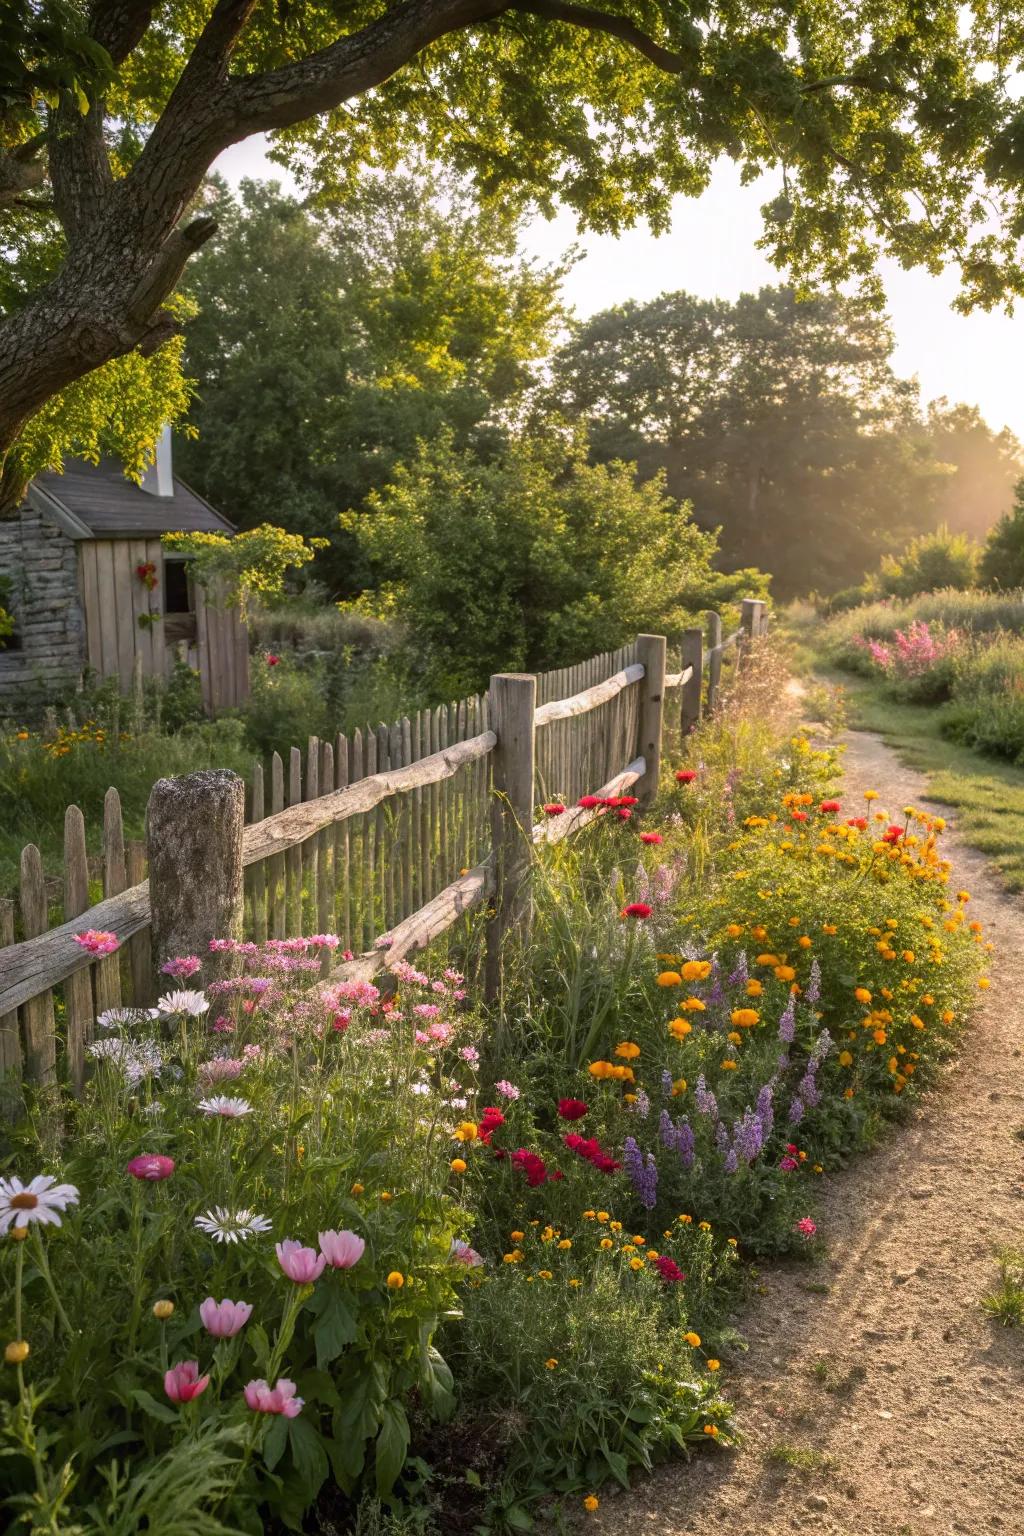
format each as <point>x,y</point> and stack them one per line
<point>226,1226</point>
<point>693,1339</point>
<point>227,1108</point>
<point>712,1430</point>
<point>637,909</point>
<point>467,1131</point>
<point>651,837</point>
<point>506,1089</point>
<point>592,1502</point>
<point>532,1165</point>
<point>16,1352</point>
<point>301,1265</point>
<point>571,1109</point>
<point>223,1319</point>
<point>458,1165</point>
<point>555,808</point>
<point>97,941</point>
<point>565,1244</point>
<point>589,802</point>
<point>551,1365</point>
<point>829,807</point>
<point>357,1189</point>
<point>277,1399</point>
<point>745,1018</point>
<point>694,1005</point>
<point>41,1200</point>
<point>191,1004</point>
<point>162,1310</point>
<point>668,1269</point>
<point>151,1165</point>
<point>696,970</point>
<point>395,1280</point>
<point>806,1227</point>
<point>713,1365</point>
<point>341,1249</point>
<point>606,1243</point>
<point>628,1050</point>
<point>462,1253</point>
<point>668,979</point>
<point>862,995</point>
<point>272,660</point>
<point>182,967</point>
<point>845,1059</point>
<point>183,1382</point>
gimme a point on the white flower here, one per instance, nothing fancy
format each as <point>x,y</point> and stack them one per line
<point>135,1059</point>
<point>419,1088</point>
<point>39,1200</point>
<point>226,1226</point>
<point>462,1253</point>
<point>191,1003</point>
<point>124,1018</point>
<point>228,1108</point>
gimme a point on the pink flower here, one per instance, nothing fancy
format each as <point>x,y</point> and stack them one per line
<point>277,1399</point>
<point>341,1021</point>
<point>806,1227</point>
<point>589,802</point>
<point>651,837</point>
<point>183,1382</point>
<point>182,967</point>
<point>341,1249</point>
<point>151,1165</point>
<point>223,1319</point>
<point>272,660</point>
<point>303,1265</point>
<point>97,941</point>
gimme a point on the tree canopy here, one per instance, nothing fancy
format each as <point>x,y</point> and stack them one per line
<point>892,128</point>
<point>783,422</point>
<point>327,343</point>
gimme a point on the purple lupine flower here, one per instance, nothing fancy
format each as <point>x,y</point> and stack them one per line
<point>808,1090</point>
<point>766,1109</point>
<point>642,1175</point>
<point>666,1083</point>
<point>796,1110</point>
<point>781,1062</point>
<point>748,1136</point>
<point>814,984</point>
<point>685,1143</point>
<point>740,972</point>
<point>705,1100</point>
<point>641,1105</point>
<point>721,1137</point>
<point>632,1160</point>
<point>716,992</point>
<point>732,1162</point>
<point>648,1190</point>
<point>666,1130</point>
<point>787,1023</point>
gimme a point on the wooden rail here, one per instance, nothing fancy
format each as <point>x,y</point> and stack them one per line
<point>361,842</point>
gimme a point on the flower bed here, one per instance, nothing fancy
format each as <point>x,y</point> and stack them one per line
<point>305,1240</point>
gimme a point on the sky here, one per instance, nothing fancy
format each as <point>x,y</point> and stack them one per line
<point>711,251</point>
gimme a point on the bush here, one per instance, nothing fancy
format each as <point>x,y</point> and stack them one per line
<point>931,563</point>
<point>1002,560</point>
<point>987,711</point>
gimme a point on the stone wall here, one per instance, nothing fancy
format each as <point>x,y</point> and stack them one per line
<point>40,562</point>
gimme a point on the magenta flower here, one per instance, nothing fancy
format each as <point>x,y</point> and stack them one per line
<point>277,1399</point>
<point>806,1227</point>
<point>181,967</point>
<point>151,1165</point>
<point>97,941</point>
<point>183,1382</point>
<point>303,1265</point>
<point>223,1319</point>
<point>341,1249</point>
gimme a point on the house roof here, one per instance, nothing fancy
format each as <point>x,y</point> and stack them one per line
<point>96,501</point>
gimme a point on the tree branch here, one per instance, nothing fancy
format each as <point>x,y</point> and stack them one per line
<point>167,266</point>
<point>120,25</point>
<point>859,82</point>
<point>21,170</point>
<point>613,26</point>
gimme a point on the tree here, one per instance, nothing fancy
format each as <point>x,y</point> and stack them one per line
<point>986,465</point>
<point>888,124</point>
<point>779,418</point>
<point>1002,559</point>
<point>327,343</point>
<point>531,560</point>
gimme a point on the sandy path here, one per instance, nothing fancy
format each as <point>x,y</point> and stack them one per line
<point>918,1427</point>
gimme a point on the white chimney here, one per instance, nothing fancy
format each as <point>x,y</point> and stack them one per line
<point>158,478</point>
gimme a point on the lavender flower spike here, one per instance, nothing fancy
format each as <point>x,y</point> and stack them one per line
<point>787,1023</point>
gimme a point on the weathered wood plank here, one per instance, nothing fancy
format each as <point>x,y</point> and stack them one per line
<point>311,847</point>
<point>89,586</point>
<point>294,848</point>
<point>45,961</point>
<point>126,628</point>
<point>78,1002</point>
<point>342,844</point>
<point>37,1014</point>
<point>10,1035</point>
<point>554,828</point>
<point>590,698</point>
<point>258,877</point>
<point>115,878</point>
<point>423,927</point>
<point>276,864</point>
<point>140,948</point>
<point>325,918</point>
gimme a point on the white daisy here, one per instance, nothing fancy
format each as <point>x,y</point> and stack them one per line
<point>123,1018</point>
<point>40,1200</point>
<point>226,1226</point>
<point>193,1004</point>
<point>227,1108</point>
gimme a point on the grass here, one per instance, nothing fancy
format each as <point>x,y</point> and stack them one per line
<point>1006,1304</point>
<point>987,795</point>
<point>799,1458</point>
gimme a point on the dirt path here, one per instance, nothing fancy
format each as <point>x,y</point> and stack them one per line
<point>908,1401</point>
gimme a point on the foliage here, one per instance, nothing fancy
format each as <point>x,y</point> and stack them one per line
<point>987,711</point>
<point>986,465</point>
<point>530,559</point>
<point>920,662</point>
<point>1006,1304</point>
<point>360,329</point>
<point>779,416</point>
<point>238,568</point>
<point>1002,559</point>
<point>933,562</point>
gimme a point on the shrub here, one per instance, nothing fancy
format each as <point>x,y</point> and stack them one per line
<point>919,662</point>
<point>1002,560</point>
<point>930,563</point>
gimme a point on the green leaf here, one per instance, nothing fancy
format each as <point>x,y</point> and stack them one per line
<point>392,1445</point>
<point>617,1465</point>
<point>309,1456</point>
<point>518,1518</point>
<point>335,1326</point>
<point>155,1410</point>
<point>275,1440</point>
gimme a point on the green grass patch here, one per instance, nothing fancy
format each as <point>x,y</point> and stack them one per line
<point>987,795</point>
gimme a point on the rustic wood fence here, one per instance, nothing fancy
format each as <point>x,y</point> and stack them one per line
<point>386,838</point>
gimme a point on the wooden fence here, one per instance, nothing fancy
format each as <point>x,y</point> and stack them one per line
<point>386,838</point>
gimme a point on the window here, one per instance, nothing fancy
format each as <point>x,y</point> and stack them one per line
<point>10,639</point>
<point>177,588</point>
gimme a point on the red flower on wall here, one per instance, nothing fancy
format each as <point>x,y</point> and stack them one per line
<point>146,572</point>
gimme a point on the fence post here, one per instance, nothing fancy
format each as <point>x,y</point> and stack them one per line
<point>691,692</point>
<point>751,610</point>
<point>194,843</point>
<point>511,704</point>
<point>714,658</point>
<point>650,649</point>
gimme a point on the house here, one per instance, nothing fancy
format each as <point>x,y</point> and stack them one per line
<point>89,585</point>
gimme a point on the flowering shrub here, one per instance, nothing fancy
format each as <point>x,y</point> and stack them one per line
<point>919,660</point>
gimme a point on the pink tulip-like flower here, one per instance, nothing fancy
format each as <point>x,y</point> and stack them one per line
<point>151,1165</point>
<point>341,1249</point>
<point>277,1399</point>
<point>223,1319</point>
<point>183,1382</point>
<point>303,1265</point>
<point>97,941</point>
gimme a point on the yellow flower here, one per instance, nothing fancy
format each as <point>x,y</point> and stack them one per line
<point>845,1059</point>
<point>628,1050</point>
<point>767,959</point>
<point>870,794</point>
<point>696,970</point>
<point>600,1069</point>
<point>745,1018</point>
<point>693,1339</point>
<point>163,1310</point>
<point>575,1281</point>
<point>714,1365</point>
<point>909,956</point>
<point>607,1243</point>
<point>728,1065</point>
<point>457,1165</point>
<point>549,1365</point>
<point>754,987</point>
<point>545,1274</point>
<point>589,1215</point>
<point>784,973</point>
<point>734,930</point>
<point>602,1215</point>
<point>466,1131</point>
<point>712,1430</point>
<point>615,1226</point>
<point>678,1087</point>
<point>517,1237</point>
<point>629,1098</point>
<point>879,1036</point>
<point>862,995</point>
<point>829,928</point>
<point>705,1226</point>
<point>395,1280</point>
<point>805,941</point>
<point>565,1244</point>
<point>693,1005</point>
<point>16,1352</point>
<point>733,1242</point>
<point>669,979</point>
<point>686,1220</point>
<point>591,1502</point>
<point>385,1195</point>
<point>734,1038</point>
<point>680,1028</point>
<point>636,1263</point>
<point>984,983</point>
<point>357,1189</point>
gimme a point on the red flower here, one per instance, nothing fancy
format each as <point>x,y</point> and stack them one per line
<point>799,815</point>
<point>686,775</point>
<point>590,1149</point>
<point>490,1121</point>
<point>638,909</point>
<point>572,1109</point>
<point>272,660</point>
<point>533,1167</point>
<point>861,822</point>
<point>651,837</point>
<point>554,809</point>
<point>669,1270</point>
<point>828,805</point>
<point>892,834</point>
<point>626,800</point>
<point>590,802</point>
<point>341,1021</point>
<point>623,813</point>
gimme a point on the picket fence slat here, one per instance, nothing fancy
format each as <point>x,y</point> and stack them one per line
<point>78,999</point>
